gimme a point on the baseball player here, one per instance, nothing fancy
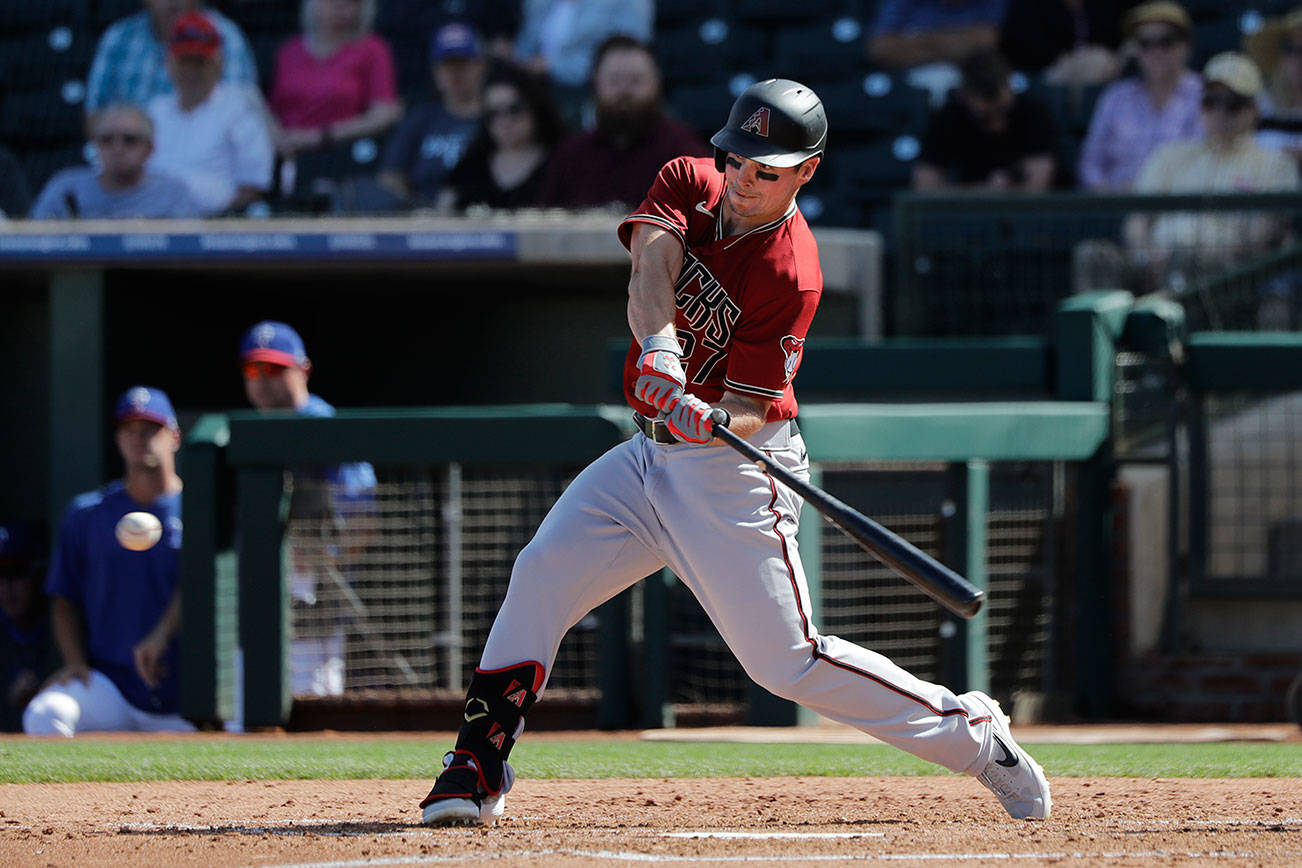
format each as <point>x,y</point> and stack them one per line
<point>725,281</point>
<point>275,366</point>
<point>116,612</point>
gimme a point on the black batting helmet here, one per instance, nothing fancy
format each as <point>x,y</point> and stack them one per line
<point>777,122</point>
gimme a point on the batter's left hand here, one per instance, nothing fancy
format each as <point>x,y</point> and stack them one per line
<point>689,420</point>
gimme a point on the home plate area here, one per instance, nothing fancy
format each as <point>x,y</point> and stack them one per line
<point>902,820</point>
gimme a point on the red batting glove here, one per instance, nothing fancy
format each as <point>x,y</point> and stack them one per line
<point>660,379</point>
<point>690,420</point>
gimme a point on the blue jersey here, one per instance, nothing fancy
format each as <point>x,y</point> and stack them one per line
<point>121,593</point>
<point>352,480</point>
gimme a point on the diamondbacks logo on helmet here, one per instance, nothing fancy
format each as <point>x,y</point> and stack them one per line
<point>791,347</point>
<point>758,123</point>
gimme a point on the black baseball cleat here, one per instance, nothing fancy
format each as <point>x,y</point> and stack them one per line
<point>1011,774</point>
<point>457,798</point>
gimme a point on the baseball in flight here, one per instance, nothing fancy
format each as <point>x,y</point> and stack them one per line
<point>139,531</point>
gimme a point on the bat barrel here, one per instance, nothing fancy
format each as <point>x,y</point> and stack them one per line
<point>932,577</point>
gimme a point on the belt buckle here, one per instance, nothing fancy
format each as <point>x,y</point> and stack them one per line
<point>655,430</point>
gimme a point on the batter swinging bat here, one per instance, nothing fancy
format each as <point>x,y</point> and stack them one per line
<point>934,578</point>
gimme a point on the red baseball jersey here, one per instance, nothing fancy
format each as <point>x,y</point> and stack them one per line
<point>744,302</point>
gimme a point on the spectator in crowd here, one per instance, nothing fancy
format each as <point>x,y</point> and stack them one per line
<point>559,38</point>
<point>130,60</point>
<point>617,160</point>
<point>1069,42</point>
<point>1281,100</point>
<point>117,611</point>
<point>209,133</point>
<point>496,21</point>
<point>930,37</point>
<point>24,625</point>
<point>1135,116</point>
<point>503,166</point>
<point>335,81</point>
<point>433,136</point>
<point>14,195</point>
<point>986,137</point>
<point>1227,159</point>
<point>275,366</point>
<point>121,187</point>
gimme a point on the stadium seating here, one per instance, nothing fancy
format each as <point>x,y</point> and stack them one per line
<point>873,106</point>
<point>17,16</point>
<point>827,50</point>
<point>708,50</point>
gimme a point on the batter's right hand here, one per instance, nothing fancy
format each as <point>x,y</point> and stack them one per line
<point>660,378</point>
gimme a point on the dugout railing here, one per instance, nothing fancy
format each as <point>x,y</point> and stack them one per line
<point>964,464</point>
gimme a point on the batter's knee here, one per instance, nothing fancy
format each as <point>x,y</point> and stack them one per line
<point>785,676</point>
<point>51,712</point>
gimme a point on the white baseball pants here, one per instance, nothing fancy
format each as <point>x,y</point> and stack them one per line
<point>728,531</point>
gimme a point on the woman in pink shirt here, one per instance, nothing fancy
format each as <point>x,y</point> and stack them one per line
<point>334,82</point>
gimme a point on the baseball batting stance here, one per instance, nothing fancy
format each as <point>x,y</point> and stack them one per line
<point>725,281</point>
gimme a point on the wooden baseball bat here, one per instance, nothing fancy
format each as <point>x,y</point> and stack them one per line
<point>934,578</point>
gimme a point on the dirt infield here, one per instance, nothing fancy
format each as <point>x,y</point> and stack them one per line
<point>919,820</point>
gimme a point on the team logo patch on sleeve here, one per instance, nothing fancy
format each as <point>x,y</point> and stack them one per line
<point>791,347</point>
<point>758,123</point>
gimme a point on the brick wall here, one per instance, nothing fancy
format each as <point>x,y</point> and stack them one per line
<point>1207,688</point>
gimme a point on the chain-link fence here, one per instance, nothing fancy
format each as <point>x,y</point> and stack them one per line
<point>977,265</point>
<point>1246,451</point>
<point>396,588</point>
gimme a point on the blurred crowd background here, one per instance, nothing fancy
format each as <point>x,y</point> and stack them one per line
<point>175,108</point>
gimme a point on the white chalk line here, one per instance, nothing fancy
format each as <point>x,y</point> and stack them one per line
<point>628,856</point>
<point>765,836</point>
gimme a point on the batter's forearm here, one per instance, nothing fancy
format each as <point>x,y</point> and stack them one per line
<point>650,309</point>
<point>748,414</point>
<point>657,259</point>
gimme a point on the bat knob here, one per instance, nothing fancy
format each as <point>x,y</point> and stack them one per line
<point>720,417</point>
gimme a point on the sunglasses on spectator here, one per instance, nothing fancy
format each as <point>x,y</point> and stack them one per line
<point>263,370</point>
<point>129,139</point>
<point>1164,43</point>
<point>511,108</point>
<point>1230,103</point>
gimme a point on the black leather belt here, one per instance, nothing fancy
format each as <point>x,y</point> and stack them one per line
<point>658,431</point>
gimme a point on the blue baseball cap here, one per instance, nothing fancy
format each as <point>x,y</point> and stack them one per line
<point>454,40</point>
<point>144,402</point>
<point>275,342</point>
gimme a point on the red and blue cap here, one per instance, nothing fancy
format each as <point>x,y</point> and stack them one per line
<point>145,402</point>
<point>275,342</point>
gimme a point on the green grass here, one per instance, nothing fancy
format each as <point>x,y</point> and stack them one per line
<point>87,759</point>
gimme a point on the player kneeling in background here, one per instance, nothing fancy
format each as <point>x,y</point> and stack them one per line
<point>116,605</point>
<point>724,286</point>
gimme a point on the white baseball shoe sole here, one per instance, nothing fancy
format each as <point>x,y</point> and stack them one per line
<point>467,812</point>
<point>1012,775</point>
<point>463,812</point>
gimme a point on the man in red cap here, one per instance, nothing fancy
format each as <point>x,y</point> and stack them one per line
<point>130,60</point>
<point>209,133</point>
